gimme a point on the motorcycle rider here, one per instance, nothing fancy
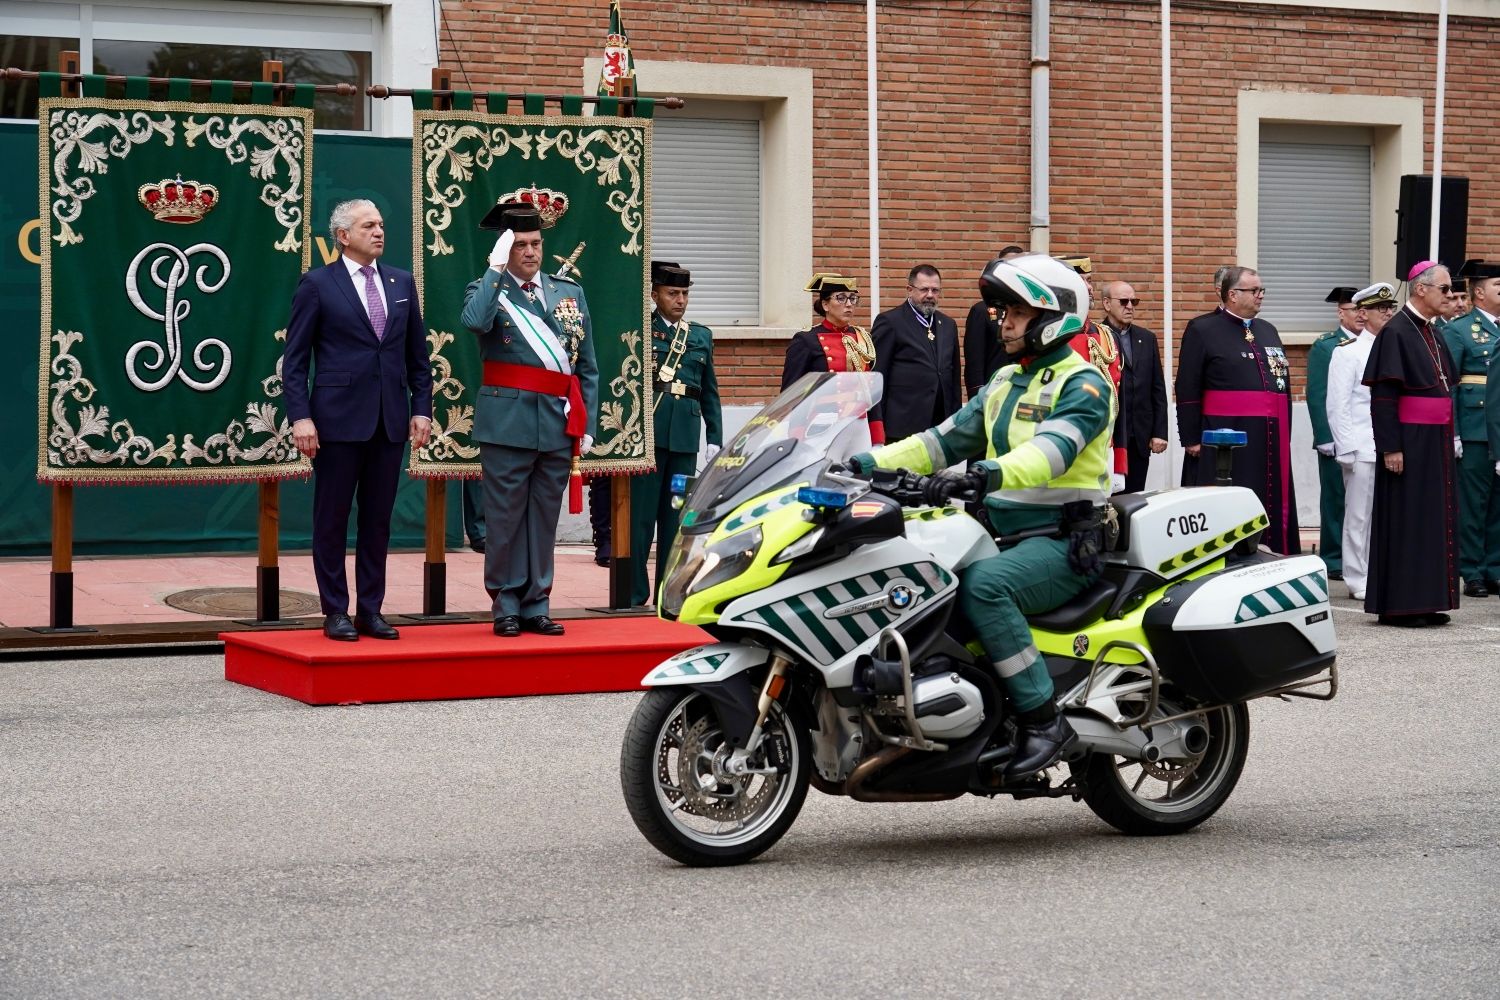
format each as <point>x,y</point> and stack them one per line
<point>1042,426</point>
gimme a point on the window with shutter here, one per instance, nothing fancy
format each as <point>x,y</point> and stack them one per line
<point>1314,222</point>
<point>705,209</point>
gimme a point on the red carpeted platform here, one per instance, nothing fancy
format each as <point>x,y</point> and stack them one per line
<point>432,662</point>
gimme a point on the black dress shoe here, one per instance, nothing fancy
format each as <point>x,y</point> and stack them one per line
<point>542,625</point>
<point>509,627</point>
<point>1475,588</point>
<point>1039,745</point>
<point>1335,574</point>
<point>375,626</point>
<point>601,558</point>
<point>1493,586</point>
<point>1438,618</point>
<point>477,544</point>
<point>1404,621</point>
<point>340,627</point>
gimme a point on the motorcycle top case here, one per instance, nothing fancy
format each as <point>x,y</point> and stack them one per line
<point>1245,631</point>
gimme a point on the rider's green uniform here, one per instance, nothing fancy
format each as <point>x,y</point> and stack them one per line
<point>1044,431</point>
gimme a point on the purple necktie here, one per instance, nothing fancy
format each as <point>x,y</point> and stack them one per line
<point>373,302</point>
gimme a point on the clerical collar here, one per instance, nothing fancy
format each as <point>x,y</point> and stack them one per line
<point>1417,312</point>
<point>1238,319</point>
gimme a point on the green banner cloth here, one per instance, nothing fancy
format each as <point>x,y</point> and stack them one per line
<point>172,238</point>
<point>463,163</point>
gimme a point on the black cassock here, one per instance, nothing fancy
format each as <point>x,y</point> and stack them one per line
<point>1239,379</point>
<point>1413,544</point>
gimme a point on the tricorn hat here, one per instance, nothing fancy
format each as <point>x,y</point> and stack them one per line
<point>518,217</point>
<point>1479,269</point>
<point>1078,262</point>
<point>670,274</point>
<point>825,283</point>
<point>1343,295</point>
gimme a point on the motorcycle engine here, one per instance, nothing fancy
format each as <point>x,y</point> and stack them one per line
<point>947,706</point>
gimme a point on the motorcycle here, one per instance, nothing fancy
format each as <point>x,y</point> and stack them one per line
<point>843,662</point>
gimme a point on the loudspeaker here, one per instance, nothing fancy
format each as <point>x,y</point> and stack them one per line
<point>1414,222</point>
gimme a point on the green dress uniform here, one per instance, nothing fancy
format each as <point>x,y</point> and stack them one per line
<point>687,403</point>
<point>1042,431</point>
<point>1330,476</point>
<point>1472,339</point>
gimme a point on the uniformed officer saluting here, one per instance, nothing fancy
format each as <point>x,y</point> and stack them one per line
<point>687,403</point>
<point>534,414</point>
<point>1041,429</point>
<point>1472,339</point>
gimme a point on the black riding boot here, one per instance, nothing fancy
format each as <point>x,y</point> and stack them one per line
<point>599,518</point>
<point>1043,738</point>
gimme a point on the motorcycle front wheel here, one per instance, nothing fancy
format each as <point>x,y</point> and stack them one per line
<point>679,794</point>
<point>1147,799</point>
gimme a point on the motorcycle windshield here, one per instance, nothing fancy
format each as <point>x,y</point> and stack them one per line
<point>817,421</point>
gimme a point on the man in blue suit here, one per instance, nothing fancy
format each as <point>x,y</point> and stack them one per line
<point>359,323</point>
<point>534,413</point>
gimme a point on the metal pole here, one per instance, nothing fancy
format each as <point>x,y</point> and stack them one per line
<point>1166,208</point>
<point>872,105</point>
<point>1041,127</point>
<point>1437,133</point>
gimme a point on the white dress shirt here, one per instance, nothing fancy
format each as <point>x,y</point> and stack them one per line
<point>1349,401</point>
<point>359,286</point>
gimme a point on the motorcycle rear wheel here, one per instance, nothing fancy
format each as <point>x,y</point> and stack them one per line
<point>681,800</point>
<point>1149,800</point>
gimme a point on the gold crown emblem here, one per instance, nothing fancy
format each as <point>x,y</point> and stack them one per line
<point>550,205</point>
<point>616,41</point>
<point>177,200</point>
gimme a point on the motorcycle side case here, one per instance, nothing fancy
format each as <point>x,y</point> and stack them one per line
<point>1172,533</point>
<point>1245,631</point>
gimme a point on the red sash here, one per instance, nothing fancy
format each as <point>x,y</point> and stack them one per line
<point>550,383</point>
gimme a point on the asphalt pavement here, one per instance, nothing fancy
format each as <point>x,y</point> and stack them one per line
<point>164,833</point>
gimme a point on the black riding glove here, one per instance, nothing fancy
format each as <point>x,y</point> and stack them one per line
<point>939,488</point>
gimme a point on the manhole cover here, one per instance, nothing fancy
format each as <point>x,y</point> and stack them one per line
<point>239,602</point>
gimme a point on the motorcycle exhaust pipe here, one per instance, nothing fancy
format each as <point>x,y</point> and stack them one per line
<point>1195,738</point>
<point>867,769</point>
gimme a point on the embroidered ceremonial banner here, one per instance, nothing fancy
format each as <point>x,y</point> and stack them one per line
<point>462,163</point>
<point>172,238</point>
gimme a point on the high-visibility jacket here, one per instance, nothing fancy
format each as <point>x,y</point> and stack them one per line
<point>1043,431</point>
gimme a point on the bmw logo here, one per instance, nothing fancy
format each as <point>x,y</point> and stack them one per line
<point>901,597</point>
<point>1080,645</point>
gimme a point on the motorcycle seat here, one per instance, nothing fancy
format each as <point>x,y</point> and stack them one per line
<point>1087,607</point>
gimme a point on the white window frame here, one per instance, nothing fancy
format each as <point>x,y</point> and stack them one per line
<point>342,25</point>
<point>1395,124</point>
<point>785,95</point>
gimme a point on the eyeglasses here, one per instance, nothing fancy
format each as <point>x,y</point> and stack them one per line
<point>1260,290</point>
<point>1129,302</point>
<point>846,298</point>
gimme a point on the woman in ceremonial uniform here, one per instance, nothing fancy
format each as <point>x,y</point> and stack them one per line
<point>834,345</point>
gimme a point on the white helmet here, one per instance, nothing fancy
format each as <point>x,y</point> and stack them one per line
<point>1043,283</point>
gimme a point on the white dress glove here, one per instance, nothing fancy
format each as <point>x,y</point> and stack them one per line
<point>1458,446</point>
<point>500,255</point>
<point>585,444</point>
<point>1117,483</point>
<point>1497,468</point>
<point>1326,450</point>
<point>711,454</point>
<point>1347,459</point>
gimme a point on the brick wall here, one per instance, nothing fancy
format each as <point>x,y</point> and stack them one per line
<point>955,117</point>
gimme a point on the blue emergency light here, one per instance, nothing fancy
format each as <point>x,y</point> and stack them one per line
<point>826,499</point>
<point>680,484</point>
<point>1224,437</point>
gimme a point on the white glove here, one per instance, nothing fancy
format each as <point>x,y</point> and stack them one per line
<point>712,453</point>
<point>1497,468</point>
<point>1347,459</point>
<point>1117,483</point>
<point>1458,447</point>
<point>500,255</point>
<point>1326,450</point>
<point>585,444</point>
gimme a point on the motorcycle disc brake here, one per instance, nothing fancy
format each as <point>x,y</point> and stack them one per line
<point>725,801</point>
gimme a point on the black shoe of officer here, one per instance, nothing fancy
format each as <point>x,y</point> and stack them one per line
<point>339,627</point>
<point>1476,588</point>
<point>1039,743</point>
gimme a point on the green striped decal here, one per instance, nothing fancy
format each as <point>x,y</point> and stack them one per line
<point>1289,596</point>
<point>692,668</point>
<point>1213,545</point>
<point>759,511</point>
<point>930,514</point>
<point>802,619</point>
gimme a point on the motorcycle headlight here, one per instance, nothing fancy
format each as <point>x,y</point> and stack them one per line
<point>726,559</point>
